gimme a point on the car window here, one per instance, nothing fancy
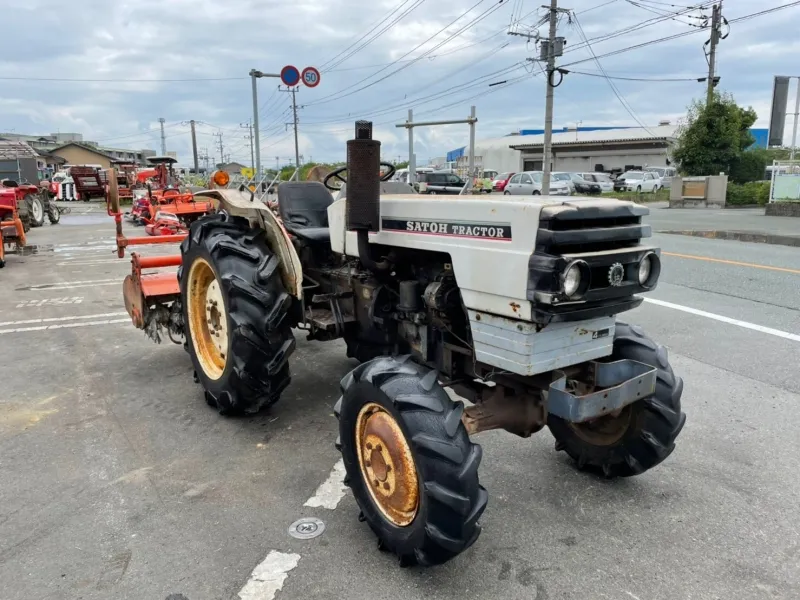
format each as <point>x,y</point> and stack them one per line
<point>631,175</point>
<point>453,179</point>
<point>560,176</point>
<point>601,177</point>
<point>515,179</point>
<point>537,178</point>
<point>649,176</point>
<point>502,176</point>
<point>526,179</point>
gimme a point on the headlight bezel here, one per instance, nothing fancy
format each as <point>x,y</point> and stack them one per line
<point>654,272</point>
<point>585,274</point>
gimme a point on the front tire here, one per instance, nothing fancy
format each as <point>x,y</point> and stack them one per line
<point>53,214</point>
<point>235,313</point>
<point>410,463</point>
<point>35,209</point>
<point>643,434</point>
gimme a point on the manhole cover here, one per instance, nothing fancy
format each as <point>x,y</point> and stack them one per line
<point>306,528</point>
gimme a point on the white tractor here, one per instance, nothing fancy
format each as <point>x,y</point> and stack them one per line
<point>512,303</point>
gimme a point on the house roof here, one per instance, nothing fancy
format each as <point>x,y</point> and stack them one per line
<point>11,150</point>
<point>633,134</point>
<point>85,147</point>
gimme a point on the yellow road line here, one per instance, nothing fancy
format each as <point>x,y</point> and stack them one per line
<point>732,262</point>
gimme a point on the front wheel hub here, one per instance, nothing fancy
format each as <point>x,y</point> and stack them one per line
<point>208,320</point>
<point>387,464</point>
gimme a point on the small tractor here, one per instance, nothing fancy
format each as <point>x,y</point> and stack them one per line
<point>163,198</point>
<point>31,206</point>
<point>512,303</point>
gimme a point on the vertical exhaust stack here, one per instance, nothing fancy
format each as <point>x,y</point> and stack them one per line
<point>364,191</point>
<point>363,180</point>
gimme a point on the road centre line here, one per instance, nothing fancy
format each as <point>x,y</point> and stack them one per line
<point>331,491</point>
<point>731,262</point>
<point>744,324</point>
<point>268,577</point>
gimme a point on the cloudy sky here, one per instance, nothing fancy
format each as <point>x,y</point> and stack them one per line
<point>377,59</point>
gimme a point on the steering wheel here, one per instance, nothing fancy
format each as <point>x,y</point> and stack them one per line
<point>337,174</point>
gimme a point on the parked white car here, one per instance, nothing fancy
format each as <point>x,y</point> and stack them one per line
<point>602,179</point>
<point>664,173</point>
<point>640,181</point>
<point>529,183</point>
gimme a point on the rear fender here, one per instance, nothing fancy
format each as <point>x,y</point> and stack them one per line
<point>242,204</point>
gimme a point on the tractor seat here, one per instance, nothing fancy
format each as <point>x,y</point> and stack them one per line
<point>303,206</point>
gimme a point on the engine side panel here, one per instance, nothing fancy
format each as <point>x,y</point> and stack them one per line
<point>519,348</point>
<point>489,241</point>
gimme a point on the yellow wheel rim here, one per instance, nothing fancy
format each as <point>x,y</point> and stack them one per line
<point>208,320</point>
<point>387,464</point>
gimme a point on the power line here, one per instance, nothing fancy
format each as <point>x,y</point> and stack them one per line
<point>343,93</point>
<point>417,3</point>
<point>659,80</point>
<point>625,105</point>
<point>680,35</point>
<point>583,12</point>
<point>66,79</point>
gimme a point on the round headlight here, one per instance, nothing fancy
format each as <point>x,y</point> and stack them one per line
<point>572,280</point>
<point>644,270</point>
<point>649,270</point>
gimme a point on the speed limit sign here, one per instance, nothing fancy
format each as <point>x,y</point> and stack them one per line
<point>310,77</point>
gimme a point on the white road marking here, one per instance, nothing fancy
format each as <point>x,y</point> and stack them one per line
<point>701,313</point>
<point>64,326</point>
<point>69,262</point>
<point>60,319</point>
<point>330,491</point>
<point>51,302</point>
<point>117,281</point>
<point>268,577</point>
<point>59,284</point>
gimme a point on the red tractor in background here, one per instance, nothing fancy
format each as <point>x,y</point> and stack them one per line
<point>164,198</point>
<point>12,229</point>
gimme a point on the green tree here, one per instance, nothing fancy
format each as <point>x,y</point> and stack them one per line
<point>714,137</point>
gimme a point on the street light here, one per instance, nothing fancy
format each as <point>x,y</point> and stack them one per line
<point>254,75</point>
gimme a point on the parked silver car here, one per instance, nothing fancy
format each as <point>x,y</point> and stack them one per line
<point>529,183</point>
<point>665,174</point>
<point>602,179</point>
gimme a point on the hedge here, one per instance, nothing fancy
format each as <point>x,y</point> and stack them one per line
<point>755,192</point>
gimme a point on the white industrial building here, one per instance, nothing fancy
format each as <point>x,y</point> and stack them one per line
<point>584,149</point>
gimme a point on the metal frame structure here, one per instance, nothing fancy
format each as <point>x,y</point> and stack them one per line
<point>412,159</point>
<point>784,168</point>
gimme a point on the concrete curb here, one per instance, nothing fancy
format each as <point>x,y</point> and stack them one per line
<point>741,236</point>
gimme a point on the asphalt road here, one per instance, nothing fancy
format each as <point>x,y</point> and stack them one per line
<point>117,481</point>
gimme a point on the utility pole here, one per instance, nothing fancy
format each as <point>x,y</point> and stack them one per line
<point>163,138</point>
<point>221,147</point>
<point>716,12</point>
<point>293,90</point>
<point>551,48</point>
<point>249,126</point>
<point>548,101</point>
<point>194,148</point>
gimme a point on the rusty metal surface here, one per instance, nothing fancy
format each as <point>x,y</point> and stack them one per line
<point>134,301</point>
<point>625,382</point>
<point>521,415</point>
<point>387,464</point>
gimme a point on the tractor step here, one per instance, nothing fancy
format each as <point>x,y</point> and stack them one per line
<point>323,318</point>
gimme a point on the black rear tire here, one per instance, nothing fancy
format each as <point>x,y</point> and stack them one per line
<point>652,423</point>
<point>36,210</point>
<point>451,500</point>
<point>24,212</point>
<point>256,302</point>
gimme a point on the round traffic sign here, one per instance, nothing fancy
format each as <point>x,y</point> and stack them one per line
<point>290,76</point>
<point>310,77</point>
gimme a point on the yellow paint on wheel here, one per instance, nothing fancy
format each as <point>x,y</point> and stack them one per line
<point>387,464</point>
<point>208,320</point>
